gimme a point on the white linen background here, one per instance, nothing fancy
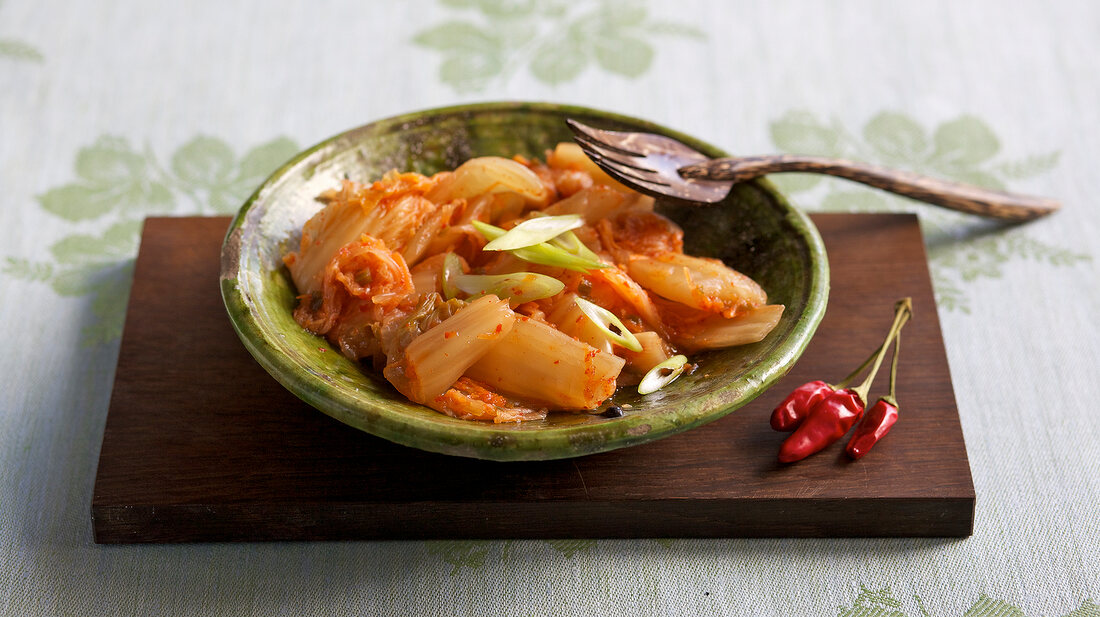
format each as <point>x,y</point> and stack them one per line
<point>1023,360</point>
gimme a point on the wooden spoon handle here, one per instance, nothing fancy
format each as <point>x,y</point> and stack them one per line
<point>953,195</point>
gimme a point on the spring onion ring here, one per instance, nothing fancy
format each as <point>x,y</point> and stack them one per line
<point>662,375</point>
<point>605,319</point>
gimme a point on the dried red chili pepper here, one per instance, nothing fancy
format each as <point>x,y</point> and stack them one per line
<point>880,419</point>
<point>793,410</point>
<point>827,422</point>
<point>876,423</point>
<point>835,414</point>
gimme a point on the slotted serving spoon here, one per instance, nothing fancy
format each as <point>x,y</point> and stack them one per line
<point>664,167</point>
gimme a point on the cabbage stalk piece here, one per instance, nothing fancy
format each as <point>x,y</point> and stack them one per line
<point>705,284</point>
<point>716,332</point>
<point>537,363</point>
<point>434,360</point>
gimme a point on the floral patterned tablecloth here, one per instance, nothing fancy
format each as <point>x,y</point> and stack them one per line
<point>111,111</point>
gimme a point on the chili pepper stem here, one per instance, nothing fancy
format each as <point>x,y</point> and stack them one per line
<point>903,310</point>
<point>891,398</point>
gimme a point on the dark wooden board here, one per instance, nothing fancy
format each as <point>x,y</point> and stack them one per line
<point>202,445</point>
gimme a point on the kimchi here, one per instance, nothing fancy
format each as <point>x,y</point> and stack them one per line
<point>509,288</point>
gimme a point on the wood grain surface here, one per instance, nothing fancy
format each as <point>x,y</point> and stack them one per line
<point>202,445</point>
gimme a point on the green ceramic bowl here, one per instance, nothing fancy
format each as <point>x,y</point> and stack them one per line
<point>755,231</point>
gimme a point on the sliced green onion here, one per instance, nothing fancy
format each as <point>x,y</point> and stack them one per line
<point>543,253</point>
<point>662,374</point>
<point>518,286</point>
<point>605,319</point>
<point>570,243</point>
<point>491,232</point>
<point>535,231</point>
<point>452,268</point>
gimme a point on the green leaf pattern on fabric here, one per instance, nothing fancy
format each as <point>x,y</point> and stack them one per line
<point>961,249</point>
<point>883,603</point>
<point>570,548</point>
<point>964,143</point>
<point>13,49</point>
<point>556,41</point>
<point>27,270</point>
<point>896,137</point>
<point>461,553</point>
<point>117,242</point>
<point>116,186</point>
<point>476,554</point>
<point>111,176</point>
<point>868,603</point>
<point>18,50</point>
